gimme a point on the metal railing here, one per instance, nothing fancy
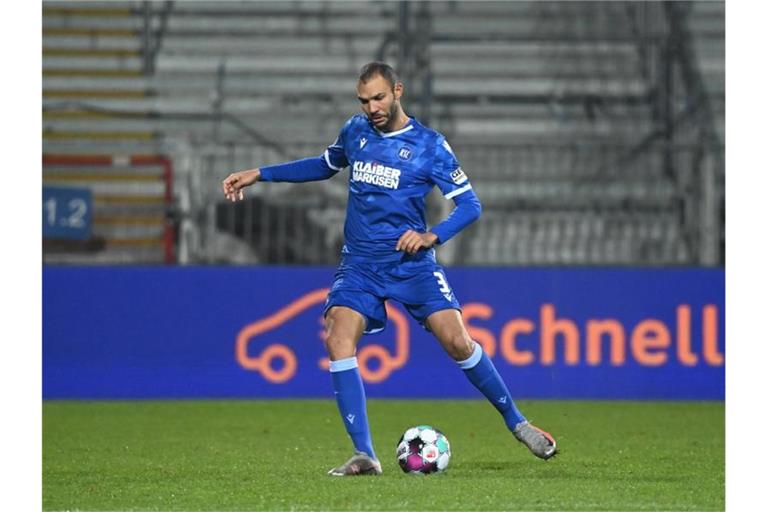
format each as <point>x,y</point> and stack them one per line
<point>151,37</point>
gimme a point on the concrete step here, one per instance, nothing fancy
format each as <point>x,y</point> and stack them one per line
<point>562,68</point>
<point>289,45</point>
<point>577,237</point>
<point>131,62</point>
<point>250,83</point>
<point>129,231</point>
<point>226,24</point>
<point>575,193</point>
<point>112,255</point>
<point>112,188</point>
<point>549,128</point>
<point>255,107</point>
<point>320,128</point>
<point>123,147</point>
<point>94,43</point>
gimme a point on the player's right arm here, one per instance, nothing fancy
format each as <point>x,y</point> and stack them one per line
<point>298,171</point>
<point>317,168</point>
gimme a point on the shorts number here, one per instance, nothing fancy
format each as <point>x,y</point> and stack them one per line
<point>444,288</point>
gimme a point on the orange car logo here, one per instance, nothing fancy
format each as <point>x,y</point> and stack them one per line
<point>264,363</point>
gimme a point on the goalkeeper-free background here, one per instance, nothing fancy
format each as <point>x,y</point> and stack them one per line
<point>183,366</point>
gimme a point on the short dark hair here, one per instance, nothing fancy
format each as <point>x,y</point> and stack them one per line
<point>381,69</point>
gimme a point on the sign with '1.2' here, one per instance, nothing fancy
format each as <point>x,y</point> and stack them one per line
<point>67,213</point>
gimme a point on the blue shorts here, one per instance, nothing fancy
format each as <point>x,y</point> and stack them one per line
<point>419,285</point>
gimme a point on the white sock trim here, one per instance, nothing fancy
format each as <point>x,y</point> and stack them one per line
<point>343,364</point>
<point>472,360</point>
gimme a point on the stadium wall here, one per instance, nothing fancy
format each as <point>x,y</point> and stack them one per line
<point>255,332</point>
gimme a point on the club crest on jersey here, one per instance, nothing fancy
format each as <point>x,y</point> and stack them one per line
<point>404,153</point>
<point>458,176</point>
<point>362,142</point>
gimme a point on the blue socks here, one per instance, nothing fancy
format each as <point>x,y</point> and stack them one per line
<point>481,372</point>
<point>350,397</point>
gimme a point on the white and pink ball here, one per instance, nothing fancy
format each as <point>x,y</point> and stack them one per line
<point>423,450</point>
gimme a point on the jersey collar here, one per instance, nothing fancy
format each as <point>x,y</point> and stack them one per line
<point>407,127</point>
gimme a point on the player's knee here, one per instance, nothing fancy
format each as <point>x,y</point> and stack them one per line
<point>337,344</point>
<point>339,347</point>
<point>460,347</point>
<point>339,335</point>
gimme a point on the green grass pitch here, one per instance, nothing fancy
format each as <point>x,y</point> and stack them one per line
<point>273,455</point>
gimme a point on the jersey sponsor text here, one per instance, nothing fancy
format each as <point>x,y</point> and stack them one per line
<point>376,174</point>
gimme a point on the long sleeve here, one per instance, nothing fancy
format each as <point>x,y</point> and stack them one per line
<point>454,184</point>
<point>317,168</point>
<point>297,171</point>
<point>467,210</point>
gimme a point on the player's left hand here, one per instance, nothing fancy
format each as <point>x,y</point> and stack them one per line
<point>412,241</point>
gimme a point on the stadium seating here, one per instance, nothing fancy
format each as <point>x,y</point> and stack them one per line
<point>707,25</point>
<point>130,196</point>
<point>547,105</point>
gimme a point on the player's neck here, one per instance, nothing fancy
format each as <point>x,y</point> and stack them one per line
<point>399,123</point>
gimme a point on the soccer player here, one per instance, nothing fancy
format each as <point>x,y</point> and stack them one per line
<point>389,253</point>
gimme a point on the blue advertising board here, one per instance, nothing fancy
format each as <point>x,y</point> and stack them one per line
<point>67,213</point>
<point>208,332</point>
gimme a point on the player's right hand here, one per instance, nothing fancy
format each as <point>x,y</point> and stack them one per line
<point>234,183</point>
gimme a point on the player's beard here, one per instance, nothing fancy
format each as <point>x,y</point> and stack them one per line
<point>391,117</point>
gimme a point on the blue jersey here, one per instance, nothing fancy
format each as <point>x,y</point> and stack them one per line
<point>390,176</point>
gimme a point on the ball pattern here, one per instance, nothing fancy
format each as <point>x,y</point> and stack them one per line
<point>423,450</point>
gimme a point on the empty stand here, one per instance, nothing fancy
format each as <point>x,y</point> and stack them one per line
<point>555,109</point>
<point>132,196</point>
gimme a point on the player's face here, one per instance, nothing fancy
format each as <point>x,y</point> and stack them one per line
<point>380,101</point>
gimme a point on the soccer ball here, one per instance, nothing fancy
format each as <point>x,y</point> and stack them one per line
<point>423,450</point>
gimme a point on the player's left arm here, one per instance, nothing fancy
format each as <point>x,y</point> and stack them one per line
<point>454,184</point>
<point>467,211</point>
